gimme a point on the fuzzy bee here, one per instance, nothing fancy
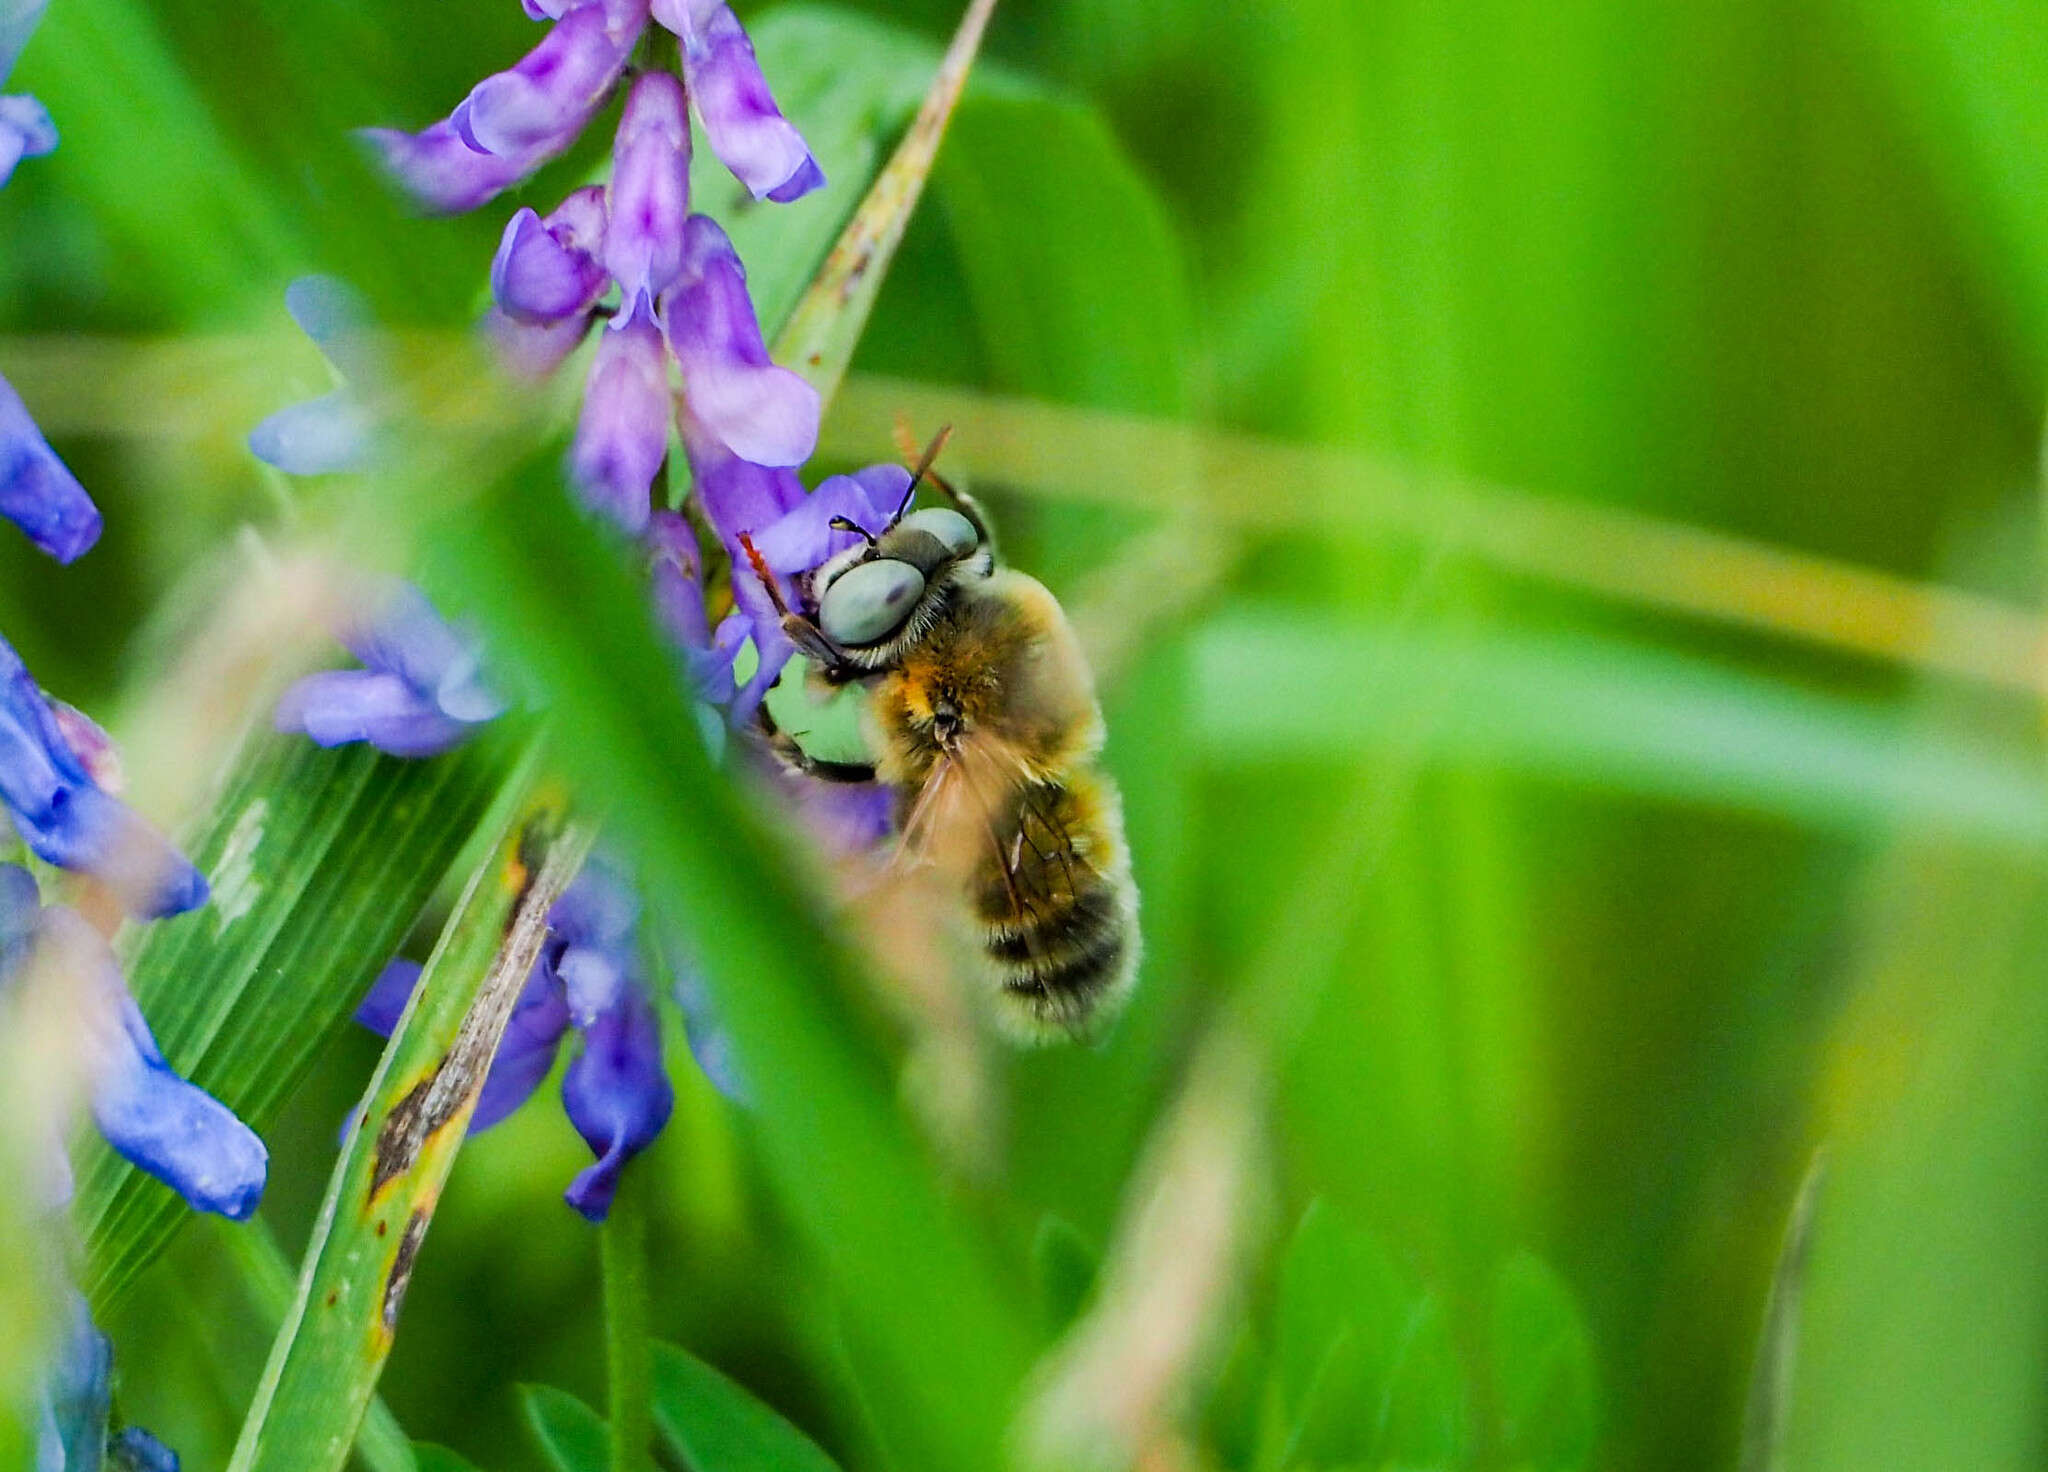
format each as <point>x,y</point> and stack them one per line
<point>981,716</point>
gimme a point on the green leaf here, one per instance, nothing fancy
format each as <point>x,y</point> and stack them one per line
<point>571,1435</point>
<point>1612,714</point>
<point>1072,265</point>
<point>1364,1360</point>
<point>320,861</point>
<point>1545,1384</point>
<point>432,1457</point>
<point>382,1195</point>
<point>1064,1264</point>
<point>718,1426</point>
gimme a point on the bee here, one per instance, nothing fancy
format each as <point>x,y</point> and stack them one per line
<point>979,711</point>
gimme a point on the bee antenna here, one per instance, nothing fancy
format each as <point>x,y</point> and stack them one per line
<point>848,524</point>
<point>922,470</point>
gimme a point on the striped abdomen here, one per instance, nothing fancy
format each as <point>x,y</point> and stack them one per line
<point>1055,908</point>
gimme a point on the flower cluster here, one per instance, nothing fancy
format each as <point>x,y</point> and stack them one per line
<point>681,303</point>
<point>57,772</point>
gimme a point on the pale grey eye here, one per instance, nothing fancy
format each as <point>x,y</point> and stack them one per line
<point>950,527</point>
<point>869,602</point>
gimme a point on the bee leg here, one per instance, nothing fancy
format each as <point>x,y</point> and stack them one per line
<point>809,639</point>
<point>786,750</point>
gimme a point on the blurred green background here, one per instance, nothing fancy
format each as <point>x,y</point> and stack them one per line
<point>1620,899</point>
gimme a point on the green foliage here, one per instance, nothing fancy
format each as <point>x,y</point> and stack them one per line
<point>320,861</point>
<point>715,1425</point>
<point>1064,1265</point>
<point>570,1434</point>
<point>430,1457</point>
<point>1545,1384</point>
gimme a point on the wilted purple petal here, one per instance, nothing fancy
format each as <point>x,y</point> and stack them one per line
<point>443,173</point>
<point>741,121</point>
<point>623,432</point>
<point>617,1095</point>
<point>533,350</point>
<point>25,132</point>
<point>546,270</point>
<point>763,413</point>
<point>154,1119</point>
<point>539,105</point>
<point>650,191</point>
<point>37,492</point>
<point>67,820</point>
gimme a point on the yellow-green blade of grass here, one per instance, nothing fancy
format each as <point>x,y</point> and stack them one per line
<point>381,1198</point>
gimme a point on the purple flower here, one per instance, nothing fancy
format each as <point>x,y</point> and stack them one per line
<point>37,492</point>
<point>421,690</point>
<point>650,191</point>
<point>589,976</point>
<point>25,132</point>
<point>337,431</point>
<point>548,269</point>
<point>741,121</point>
<point>441,171</point>
<point>622,435</point>
<point>761,412</point>
<point>515,121</point>
<point>65,816</point>
<point>678,588</point>
<point>154,1119</point>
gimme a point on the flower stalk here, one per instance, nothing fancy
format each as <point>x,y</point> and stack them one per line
<point>629,1357</point>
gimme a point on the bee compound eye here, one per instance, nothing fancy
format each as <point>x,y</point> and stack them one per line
<point>869,601</point>
<point>949,526</point>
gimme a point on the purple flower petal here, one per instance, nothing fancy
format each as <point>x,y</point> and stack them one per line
<point>533,350</point>
<point>741,121</point>
<point>25,132</point>
<point>650,192</point>
<point>334,314</point>
<point>336,707</point>
<point>37,492</point>
<point>804,537</point>
<point>154,1119</point>
<point>403,634</point>
<point>599,908</point>
<point>617,1095</point>
<point>65,818</point>
<point>709,1042</point>
<point>385,1001</point>
<point>622,435</point>
<point>546,270</point>
<point>537,107</point>
<point>135,1450</point>
<point>761,412</point>
<point>443,173</point>
<point>19,905</point>
<point>736,495</point>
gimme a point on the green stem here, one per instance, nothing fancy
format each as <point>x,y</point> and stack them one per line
<point>629,1360</point>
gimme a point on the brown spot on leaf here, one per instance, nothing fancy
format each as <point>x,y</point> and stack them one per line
<point>401,1267</point>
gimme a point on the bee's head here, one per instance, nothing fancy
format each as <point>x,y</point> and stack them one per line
<point>877,599</point>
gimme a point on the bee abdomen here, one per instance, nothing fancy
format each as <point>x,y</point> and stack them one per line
<point>1060,928</point>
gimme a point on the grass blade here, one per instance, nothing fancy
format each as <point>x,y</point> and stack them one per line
<point>381,1197</point>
